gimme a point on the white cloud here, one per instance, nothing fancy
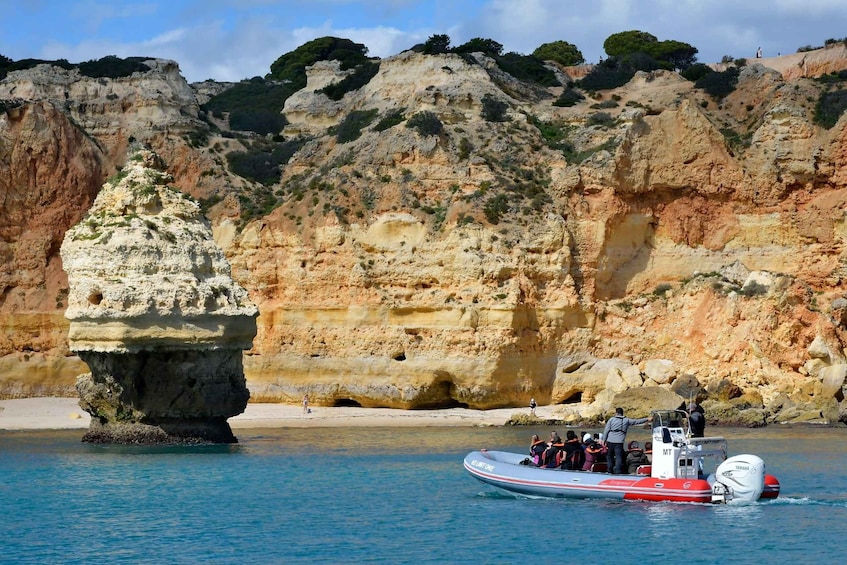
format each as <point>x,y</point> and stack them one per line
<point>235,39</point>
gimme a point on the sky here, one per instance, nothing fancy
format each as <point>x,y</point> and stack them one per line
<point>230,40</point>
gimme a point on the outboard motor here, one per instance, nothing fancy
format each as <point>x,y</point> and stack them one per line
<point>739,478</point>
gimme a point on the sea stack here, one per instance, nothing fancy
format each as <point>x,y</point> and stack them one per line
<point>155,314</point>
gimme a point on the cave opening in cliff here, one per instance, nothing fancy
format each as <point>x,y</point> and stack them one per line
<point>345,403</point>
<point>439,396</point>
<point>575,398</point>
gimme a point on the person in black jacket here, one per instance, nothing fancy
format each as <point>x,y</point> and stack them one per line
<point>635,457</point>
<point>574,452</point>
<point>697,420</point>
<point>554,446</point>
<point>536,449</point>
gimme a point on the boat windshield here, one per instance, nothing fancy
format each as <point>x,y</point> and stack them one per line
<point>673,419</point>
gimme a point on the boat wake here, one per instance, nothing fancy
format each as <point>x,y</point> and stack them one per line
<point>806,501</point>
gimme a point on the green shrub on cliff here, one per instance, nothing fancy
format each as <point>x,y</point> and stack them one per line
<point>615,72</point>
<point>426,123</point>
<point>359,78</point>
<point>351,127</point>
<point>527,68</point>
<point>829,108</point>
<point>562,52</point>
<point>719,85</point>
<point>106,67</point>
<point>495,208</point>
<point>569,97</point>
<point>390,119</point>
<point>291,67</point>
<point>111,66</point>
<point>253,105</point>
<point>263,162</point>
<point>494,110</point>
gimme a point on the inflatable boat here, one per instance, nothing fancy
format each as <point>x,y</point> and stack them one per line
<point>678,473</point>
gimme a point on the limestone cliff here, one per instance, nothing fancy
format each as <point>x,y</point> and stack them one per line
<point>650,238</point>
<point>155,314</point>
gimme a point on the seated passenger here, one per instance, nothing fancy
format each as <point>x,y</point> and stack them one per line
<point>551,457</point>
<point>635,457</point>
<point>536,449</point>
<point>648,452</point>
<point>595,452</point>
<point>574,455</point>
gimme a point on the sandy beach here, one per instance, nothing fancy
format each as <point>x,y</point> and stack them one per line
<point>65,413</point>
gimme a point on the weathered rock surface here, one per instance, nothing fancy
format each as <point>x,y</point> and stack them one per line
<point>155,314</point>
<point>687,245</point>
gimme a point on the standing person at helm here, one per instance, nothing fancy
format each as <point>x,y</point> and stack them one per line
<point>696,420</point>
<point>615,434</point>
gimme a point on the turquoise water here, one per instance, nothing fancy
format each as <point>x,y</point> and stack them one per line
<point>387,495</point>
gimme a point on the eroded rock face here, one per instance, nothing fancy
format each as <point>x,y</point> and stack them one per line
<point>155,314</point>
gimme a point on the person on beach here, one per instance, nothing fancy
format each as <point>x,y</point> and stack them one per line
<point>615,437</point>
<point>305,404</point>
<point>532,406</point>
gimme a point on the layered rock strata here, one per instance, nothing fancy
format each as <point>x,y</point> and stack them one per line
<point>674,245</point>
<point>155,314</point>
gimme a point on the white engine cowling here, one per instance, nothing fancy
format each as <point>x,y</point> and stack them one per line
<point>743,476</point>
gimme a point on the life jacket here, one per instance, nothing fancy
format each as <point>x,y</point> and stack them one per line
<point>552,456</point>
<point>574,457</point>
<point>536,451</point>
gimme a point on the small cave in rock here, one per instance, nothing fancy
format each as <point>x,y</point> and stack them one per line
<point>95,298</point>
<point>401,357</point>
<point>438,397</point>
<point>575,398</point>
<point>345,403</point>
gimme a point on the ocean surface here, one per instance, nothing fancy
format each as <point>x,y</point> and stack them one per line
<point>389,495</point>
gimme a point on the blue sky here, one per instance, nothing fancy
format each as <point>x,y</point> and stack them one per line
<point>233,39</point>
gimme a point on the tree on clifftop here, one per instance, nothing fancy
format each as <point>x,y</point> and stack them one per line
<point>480,45</point>
<point>671,54</point>
<point>626,42</point>
<point>292,66</point>
<point>438,43</point>
<point>560,51</point>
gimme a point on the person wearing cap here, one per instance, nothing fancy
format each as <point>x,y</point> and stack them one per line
<point>696,420</point>
<point>615,434</point>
